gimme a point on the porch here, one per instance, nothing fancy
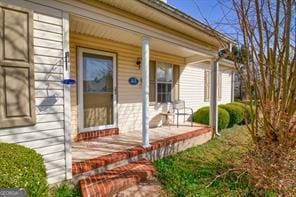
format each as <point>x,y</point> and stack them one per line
<point>130,68</point>
<point>133,55</point>
<point>102,146</point>
<point>97,156</point>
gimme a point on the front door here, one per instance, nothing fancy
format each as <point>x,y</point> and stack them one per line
<point>96,88</point>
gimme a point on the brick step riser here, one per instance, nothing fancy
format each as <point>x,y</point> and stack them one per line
<point>120,184</point>
<point>116,180</point>
<point>76,178</point>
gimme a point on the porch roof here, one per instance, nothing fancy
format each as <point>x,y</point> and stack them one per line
<point>87,26</point>
<point>106,31</point>
<point>165,15</point>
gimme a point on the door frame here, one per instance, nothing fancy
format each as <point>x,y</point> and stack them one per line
<point>80,51</point>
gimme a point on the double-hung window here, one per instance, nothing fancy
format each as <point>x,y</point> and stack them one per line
<point>164,82</point>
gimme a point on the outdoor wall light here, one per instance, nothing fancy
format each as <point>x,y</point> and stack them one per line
<point>139,63</point>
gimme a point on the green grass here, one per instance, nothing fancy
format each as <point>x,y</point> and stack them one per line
<point>193,172</point>
<point>64,190</point>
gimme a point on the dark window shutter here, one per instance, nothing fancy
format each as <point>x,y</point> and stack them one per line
<point>17,104</point>
<point>207,85</point>
<point>176,82</point>
<point>152,81</point>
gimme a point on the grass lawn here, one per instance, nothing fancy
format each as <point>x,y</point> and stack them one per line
<point>194,172</point>
<point>66,189</point>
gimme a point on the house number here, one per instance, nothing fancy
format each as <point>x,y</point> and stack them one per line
<point>133,81</point>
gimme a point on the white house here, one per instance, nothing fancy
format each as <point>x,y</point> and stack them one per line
<point>126,60</point>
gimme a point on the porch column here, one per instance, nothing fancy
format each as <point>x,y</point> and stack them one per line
<point>214,96</point>
<point>145,92</point>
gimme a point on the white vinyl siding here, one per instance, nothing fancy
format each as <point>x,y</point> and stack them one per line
<point>192,85</point>
<point>47,135</point>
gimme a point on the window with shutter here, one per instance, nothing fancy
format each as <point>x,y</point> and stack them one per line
<point>17,106</point>
<point>207,78</point>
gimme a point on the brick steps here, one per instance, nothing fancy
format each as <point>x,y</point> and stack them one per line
<point>117,179</point>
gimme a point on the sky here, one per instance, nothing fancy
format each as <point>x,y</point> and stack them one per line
<point>211,10</point>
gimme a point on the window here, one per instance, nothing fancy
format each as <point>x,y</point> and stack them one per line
<point>17,104</point>
<point>164,81</point>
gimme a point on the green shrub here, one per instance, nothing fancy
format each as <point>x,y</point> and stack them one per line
<point>248,115</point>
<point>21,167</point>
<point>236,114</point>
<point>203,116</point>
<point>223,118</point>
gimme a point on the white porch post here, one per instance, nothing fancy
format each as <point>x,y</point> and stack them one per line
<point>214,97</point>
<point>145,91</point>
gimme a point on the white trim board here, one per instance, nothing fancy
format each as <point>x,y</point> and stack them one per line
<point>67,98</point>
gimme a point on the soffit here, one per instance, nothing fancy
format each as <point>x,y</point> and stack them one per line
<point>105,31</point>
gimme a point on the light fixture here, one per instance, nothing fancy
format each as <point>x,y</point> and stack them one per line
<point>139,63</point>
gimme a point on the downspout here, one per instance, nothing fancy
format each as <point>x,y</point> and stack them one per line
<point>214,98</point>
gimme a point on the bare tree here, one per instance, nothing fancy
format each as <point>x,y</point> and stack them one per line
<point>267,63</point>
<point>269,59</point>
